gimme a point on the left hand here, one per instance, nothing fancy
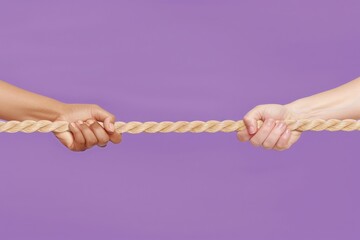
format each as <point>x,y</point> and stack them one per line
<point>273,134</point>
<point>85,131</point>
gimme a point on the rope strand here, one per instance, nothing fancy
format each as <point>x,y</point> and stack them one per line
<point>212,126</point>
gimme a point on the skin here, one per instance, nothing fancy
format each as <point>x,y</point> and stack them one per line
<point>85,131</point>
<point>342,103</point>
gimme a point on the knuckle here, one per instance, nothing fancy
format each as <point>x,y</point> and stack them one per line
<point>247,118</point>
<point>280,144</point>
<point>116,139</point>
<point>78,149</point>
<point>284,140</point>
<point>279,149</point>
<point>112,117</point>
<point>103,141</point>
<point>284,148</point>
<point>104,138</point>
<point>267,145</point>
<point>91,143</point>
<point>255,143</point>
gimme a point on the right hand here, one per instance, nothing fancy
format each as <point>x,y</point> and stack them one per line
<point>85,131</point>
<point>273,134</point>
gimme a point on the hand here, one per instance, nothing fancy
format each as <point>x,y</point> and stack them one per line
<point>85,131</point>
<point>273,134</point>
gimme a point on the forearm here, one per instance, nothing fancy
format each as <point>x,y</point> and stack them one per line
<point>19,104</point>
<point>342,102</point>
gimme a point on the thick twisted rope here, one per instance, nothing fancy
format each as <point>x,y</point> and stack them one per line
<point>212,126</point>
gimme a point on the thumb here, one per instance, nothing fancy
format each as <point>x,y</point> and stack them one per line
<point>100,114</point>
<point>251,118</point>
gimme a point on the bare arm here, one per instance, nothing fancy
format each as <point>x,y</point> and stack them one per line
<point>342,102</point>
<point>85,131</point>
<point>19,104</point>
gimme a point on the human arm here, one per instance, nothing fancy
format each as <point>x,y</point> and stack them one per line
<point>19,104</point>
<point>342,102</point>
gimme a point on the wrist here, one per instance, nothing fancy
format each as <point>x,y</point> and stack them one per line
<point>60,111</point>
<point>50,111</point>
<point>307,108</point>
<point>298,110</point>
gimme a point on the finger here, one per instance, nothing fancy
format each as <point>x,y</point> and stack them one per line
<point>284,140</point>
<point>104,116</point>
<point>66,138</point>
<point>78,142</point>
<point>99,132</point>
<point>263,132</point>
<point>115,137</point>
<point>250,120</point>
<point>243,135</point>
<point>109,124</point>
<point>275,135</point>
<point>89,136</point>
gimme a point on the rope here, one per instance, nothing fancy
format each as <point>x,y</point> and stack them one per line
<point>44,126</point>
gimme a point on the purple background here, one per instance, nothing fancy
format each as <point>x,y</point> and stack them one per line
<point>179,60</point>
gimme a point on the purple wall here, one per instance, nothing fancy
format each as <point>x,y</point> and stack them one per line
<point>179,60</point>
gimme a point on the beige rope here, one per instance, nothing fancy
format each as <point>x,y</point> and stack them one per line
<point>212,126</point>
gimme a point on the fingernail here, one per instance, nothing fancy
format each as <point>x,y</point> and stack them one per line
<point>90,121</point>
<point>287,132</point>
<point>80,122</point>
<point>252,130</point>
<point>73,125</point>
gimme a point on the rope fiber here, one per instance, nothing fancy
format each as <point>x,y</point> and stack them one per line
<point>212,126</point>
